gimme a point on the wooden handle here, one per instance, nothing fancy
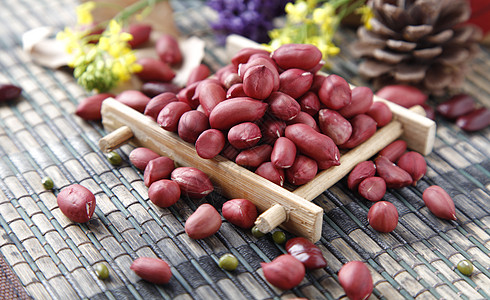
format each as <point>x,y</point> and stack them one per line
<point>115,139</point>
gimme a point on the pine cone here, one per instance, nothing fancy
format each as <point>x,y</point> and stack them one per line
<point>417,42</point>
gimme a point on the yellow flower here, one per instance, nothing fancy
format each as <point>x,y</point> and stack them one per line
<point>366,15</point>
<point>298,12</point>
<point>84,12</point>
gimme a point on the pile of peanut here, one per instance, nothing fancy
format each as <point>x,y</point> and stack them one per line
<point>269,112</point>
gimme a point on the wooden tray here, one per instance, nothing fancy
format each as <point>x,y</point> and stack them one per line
<point>291,209</point>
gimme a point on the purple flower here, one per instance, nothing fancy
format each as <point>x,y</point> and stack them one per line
<point>249,18</point>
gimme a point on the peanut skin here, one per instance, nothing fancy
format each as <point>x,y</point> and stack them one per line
<point>361,101</point>
<point>363,127</point>
<point>271,173</point>
<point>314,144</point>
<point>301,56</point>
<point>191,124</point>
<point>158,168</point>
<point>254,156</point>
<point>154,70</point>
<point>244,135</point>
<point>89,108</point>
<point>283,153</point>
<point>77,203</point>
<point>235,111</point>
<point>258,82</point>
<point>295,82</point>
<point>152,269</point>
<point>204,222</point>
<point>192,182</point>
<point>157,103</point>
<point>210,143</point>
<point>140,157</point>
<point>169,116</point>
<point>335,92</point>
<point>284,272</point>
<point>333,124</point>
<point>302,171</point>
<point>283,106</point>
<point>164,193</point>
<point>394,176</point>
<point>360,172</point>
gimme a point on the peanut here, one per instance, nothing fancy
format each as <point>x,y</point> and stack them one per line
<point>283,106</point>
<point>203,223</point>
<point>258,60</point>
<point>254,156</point>
<point>169,116</point>
<point>415,165</point>
<point>187,95</point>
<point>9,92</point>
<point>140,33</point>
<point>151,269</point>
<point>372,188</point>
<point>404,95</point>
<point>271,173</point>
<point>456,106</point>
<point>439,202</point>
<point>167,48</point>
<point>363,127</point>
<point>89,108</point>
<point>394,150</point>
<point>360,172</point>
<point>302,171</point>
<point>210,143</point>
<point>164,193</point>
<point>198,73</point>
<point>154,70</point>
<point>295,82</point>
<point>314,144</point>
<point>155,88</point>
<point>237,110</point>
<point>361,101</point>
<point>272,129</point>
<point>140,157</point>
<point>356,280</point>
<point>77,203</point>
<point>192,182</point>
<point>235,91</point>
<point>283,153</point>
<point>243,55</point>
<point>191,124</point>
<point>334,125</point>
<point>284,272</point>
<point>210,93</point>
<point>244,135</point>
<point>134,99</point>
<point>394,176</point>
<point>304,118</point>
<point>381,113</point>
<point>383,216</point>
<point>306,252</point>
<point>157,103</point>
<point>240,212</point>
<point>158,168</point>
<point>335,92</point>
<point>310,103</point>
<point>476,120</point>
<point>301,56</point>
<point>258,82</point>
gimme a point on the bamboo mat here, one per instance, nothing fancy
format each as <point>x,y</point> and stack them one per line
<point>45,256</point>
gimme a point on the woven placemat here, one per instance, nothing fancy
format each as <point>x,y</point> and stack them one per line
<point>45,256</point>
